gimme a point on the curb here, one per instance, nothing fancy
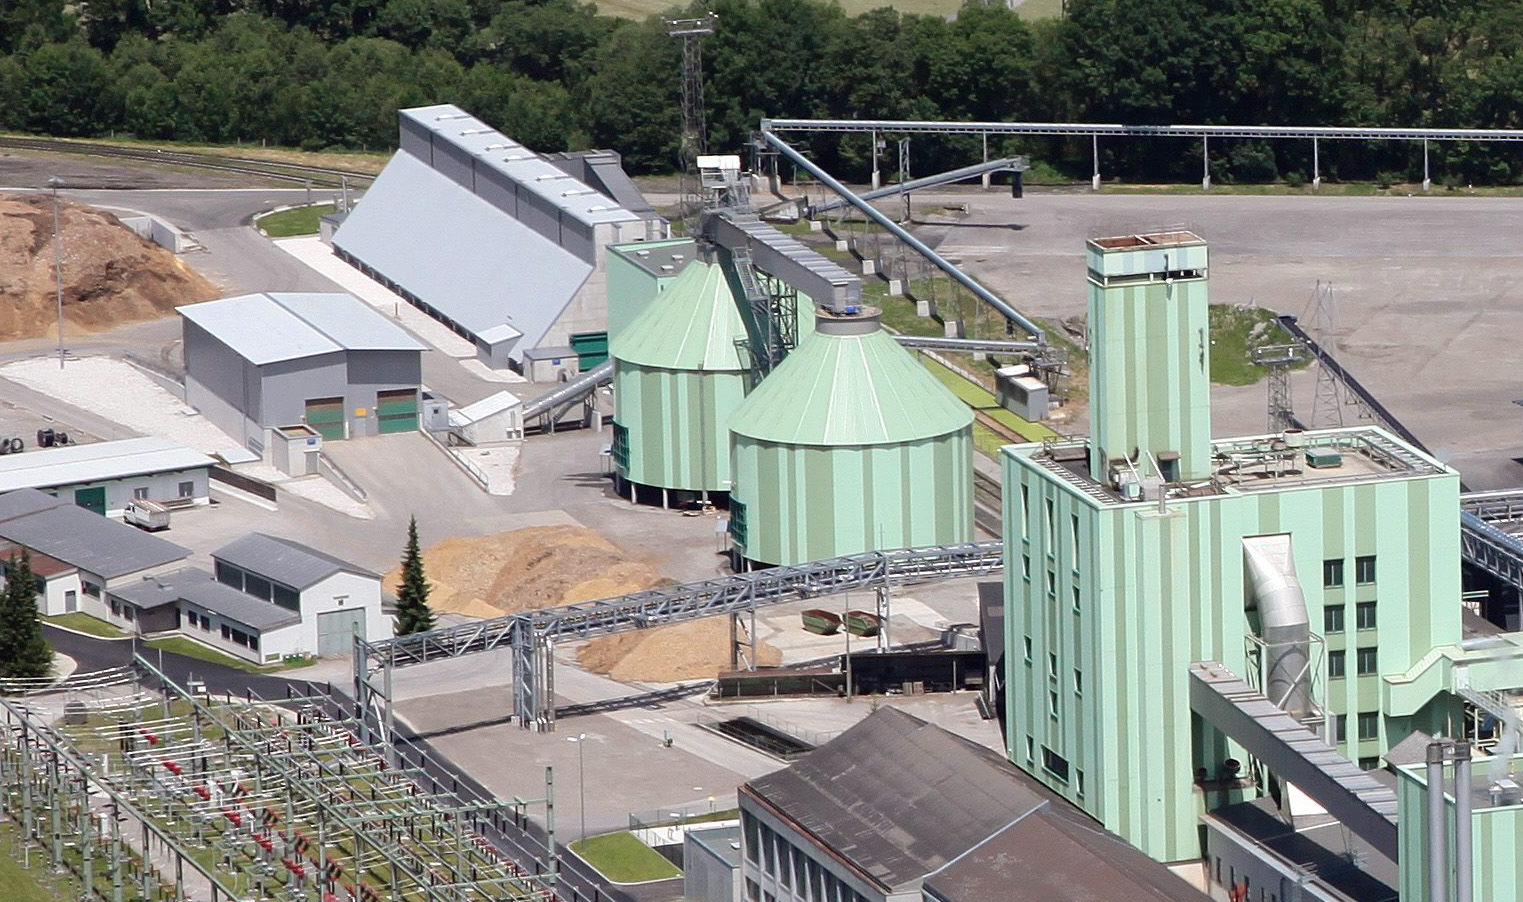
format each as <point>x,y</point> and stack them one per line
<point>66,629</point>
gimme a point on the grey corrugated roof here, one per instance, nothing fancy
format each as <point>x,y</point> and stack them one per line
<point>604,170</point>
<point>202,589</point>
<point>1047,855</point>
<point>88,541</point>
<point>459,254</point>
<point>97,462</point>
<point>899,797</point>
<point>26,501</point>
<point>527,169</point>
<point>284,561</point>
<point>1314,846</point>
<point>268,328</point>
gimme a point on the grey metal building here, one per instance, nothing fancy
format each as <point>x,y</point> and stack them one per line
<point>711,865</point>
<point>895,805</point>
<point>329,361</point>
<point>498,243</point>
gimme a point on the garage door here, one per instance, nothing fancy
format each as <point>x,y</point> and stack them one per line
<point>591,348</point>
<point>397,411</point>
<point>91,499</point>
<point>336,631</point>
<point>326,416</point>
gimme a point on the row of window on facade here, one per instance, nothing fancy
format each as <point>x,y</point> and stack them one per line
<point>184,490</point>
<point>1366,663</point>
<point>259,587</point>
<point>797,873</point>
<point>1055,765</point>
<point>1364,571</point>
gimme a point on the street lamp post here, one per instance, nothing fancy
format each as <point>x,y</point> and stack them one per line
<point>581,778</point>
<point>55,183</point>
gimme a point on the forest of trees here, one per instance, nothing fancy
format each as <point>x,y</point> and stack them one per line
<point>557,75</point>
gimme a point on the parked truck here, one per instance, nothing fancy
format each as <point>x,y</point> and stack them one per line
<point>144,514</point>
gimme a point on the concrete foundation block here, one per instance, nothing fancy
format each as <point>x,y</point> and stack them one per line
<point>842,244</point>
<point>869,267</point>
<point>895,288</point>
<point>816,225</point>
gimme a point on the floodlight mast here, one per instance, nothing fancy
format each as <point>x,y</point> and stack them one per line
<point>695,141</point>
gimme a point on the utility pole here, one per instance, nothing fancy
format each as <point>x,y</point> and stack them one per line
<point>55,183</point>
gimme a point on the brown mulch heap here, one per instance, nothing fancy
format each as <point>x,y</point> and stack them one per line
<point>110,275</point>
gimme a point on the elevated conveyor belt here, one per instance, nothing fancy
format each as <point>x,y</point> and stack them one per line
<point>1294,753</point>
<point>531,634</point>
<point>568,393</point>
<point>1011,164</point>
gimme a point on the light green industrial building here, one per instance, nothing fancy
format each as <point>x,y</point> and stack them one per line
<point>679,374</point>
<point>849,445</point>
<point>639,271</point>
<point>1496,821</point>
<point>1126,561</point>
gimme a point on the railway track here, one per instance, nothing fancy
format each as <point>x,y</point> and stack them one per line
<point>318,176</point>
<point>988,513</point>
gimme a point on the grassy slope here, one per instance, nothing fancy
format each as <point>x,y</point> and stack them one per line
<point>623,859</point>
<point>181,646</point>
<point>17,884</point>
<point>84,623</point>
<point>1235,332</point>
<point>295,221</point>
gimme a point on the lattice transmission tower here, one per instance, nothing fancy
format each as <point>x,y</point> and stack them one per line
<point>1327,403</point>
<point>695,132</point>
<point>1279,359</point>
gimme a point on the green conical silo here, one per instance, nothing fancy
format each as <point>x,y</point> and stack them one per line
<point>678,375</point>
<point>850,445</point>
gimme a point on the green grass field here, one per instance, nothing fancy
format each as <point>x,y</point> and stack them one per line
<point>1235,332</point>
<point>84,623</point>
<point>18,884</point>
<point>981,399</point>
<point>295,221</point>
<point>182,646</point>
<point>624,859</point>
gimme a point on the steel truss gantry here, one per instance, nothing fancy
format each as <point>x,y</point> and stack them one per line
<point>532,635</point>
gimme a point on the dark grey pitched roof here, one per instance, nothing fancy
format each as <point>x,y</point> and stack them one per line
<point>899,797</point>
<point>1052,854</point>
<point>78,537</point>
<point>200,588</point>
<point>285,561</point>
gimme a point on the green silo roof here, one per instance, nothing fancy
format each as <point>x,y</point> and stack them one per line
<point>849,390</point>
<point>692,325</point>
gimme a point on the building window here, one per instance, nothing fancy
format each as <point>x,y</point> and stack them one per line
<point>140,493</point>
<point>1030,749</point>
<point>1055,764</point>
<point>257,586</point>
<point>752,840</point>
<point>1340,728</point>
<point>1335,664</point>
<point>1079,781</point>
<point>1078,682</point>
<point>1052,665</point>
<point>1052,584</point>
<point>1371,762</point>
<point>1076,599</point>
<point>1332,619</point>
<point>187,489</point>
<point>1366,662</point>
<point>1052,527</point>
<point>1074,553</point>
<point>1364,570</point>
<point>1025,508</point>
<point>1026,566</point>
<point>91,589</point>
<point>1369,725</point>
<point>1364,615</point>
<point>1332,573</point>
<point>287,598</point>
<point>1028,649</point>
<point>116,608</point>
<point>227,632</point>
<point>1052,703</point>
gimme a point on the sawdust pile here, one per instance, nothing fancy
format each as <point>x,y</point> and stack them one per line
<point>526,569</point>
<point>110,275</point>
<point>686,651</point>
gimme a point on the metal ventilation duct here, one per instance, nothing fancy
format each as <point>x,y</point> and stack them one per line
<point>1283,622</point>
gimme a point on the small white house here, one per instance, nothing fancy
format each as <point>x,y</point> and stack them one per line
<point>495,418</point>
<point>79,557</point>
<point>268,598</point>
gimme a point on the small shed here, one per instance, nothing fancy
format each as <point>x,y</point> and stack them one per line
<point>495,418</point>
<point>1022,393</point>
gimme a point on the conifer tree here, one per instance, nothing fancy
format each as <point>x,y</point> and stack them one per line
<point>413,613</point>
<point>24,653</point>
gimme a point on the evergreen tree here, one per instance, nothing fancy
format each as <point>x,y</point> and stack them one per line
<point>24,653</point>
<point>413,614</point>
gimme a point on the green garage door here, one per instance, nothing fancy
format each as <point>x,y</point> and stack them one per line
<point>336,631</point>
<point>591,348</point>
<point>397,411</point>
<point>91,499</point>
<point>326,416</point>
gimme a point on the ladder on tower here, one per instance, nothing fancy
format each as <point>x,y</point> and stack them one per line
<point>769,343</point>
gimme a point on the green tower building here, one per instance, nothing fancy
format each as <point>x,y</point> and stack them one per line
<point>1149,546</point>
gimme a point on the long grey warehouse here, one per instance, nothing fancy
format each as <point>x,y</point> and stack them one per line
<point>329,361</point>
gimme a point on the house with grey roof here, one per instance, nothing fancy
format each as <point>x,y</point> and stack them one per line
<point>502,245</point>
<point>86,555</point>
<point>266,598</point>
<point>259,362</point>
<point>105,477</point>
<point>895,804</point>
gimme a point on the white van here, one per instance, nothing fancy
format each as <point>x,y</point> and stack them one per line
<point>144,514</point>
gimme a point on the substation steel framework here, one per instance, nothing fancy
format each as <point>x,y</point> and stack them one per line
<point>250,800</point>
<point>532,635</point>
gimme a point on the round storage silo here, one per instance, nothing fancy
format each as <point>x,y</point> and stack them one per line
<point>678,375</point>
<point>850,445</point>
